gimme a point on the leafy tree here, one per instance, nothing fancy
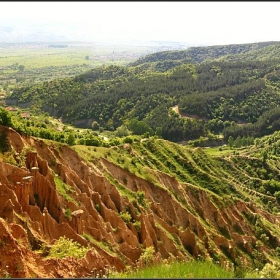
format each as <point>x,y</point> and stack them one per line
<point>230,141</point>
<point>71,139</point>
<point>92,141</point>
<point>21,67</point>
<point>139,127</point>
<point>95,125</point>
<point>122,131</point>
<point>237,142</point>
<point>5,117</point>
<point>244,141</point>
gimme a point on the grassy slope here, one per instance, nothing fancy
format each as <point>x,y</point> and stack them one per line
<point>223,174</point>
<point>236,175</point>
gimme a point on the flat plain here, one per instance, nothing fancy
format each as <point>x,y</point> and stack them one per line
<point>23,64</point>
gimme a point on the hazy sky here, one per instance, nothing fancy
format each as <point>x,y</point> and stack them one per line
<point>197,23</point>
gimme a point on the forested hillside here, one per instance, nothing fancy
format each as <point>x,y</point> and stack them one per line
<point>184,100</point>
<point>201,54</point>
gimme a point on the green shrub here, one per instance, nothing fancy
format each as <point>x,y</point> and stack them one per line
<point>141,198</point>
<point>270,271</point>
<point>5,117</point>
<point>128,139</point>
<point>68,214</point>
<point>147,257</point>
<point>125,216</point>
<point>137,225</point>
<point>97,207</point>
<point>65,247</point>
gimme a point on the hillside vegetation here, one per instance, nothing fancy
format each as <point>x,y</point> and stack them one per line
<point>202,54</point>
<point>229,97</point>
<point>140,202</point>
<point>111,172</point>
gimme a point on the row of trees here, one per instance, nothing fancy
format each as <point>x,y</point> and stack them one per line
<point>240,141</point>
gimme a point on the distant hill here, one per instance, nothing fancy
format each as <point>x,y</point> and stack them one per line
<point>262,50</point>
<point>269,52</point>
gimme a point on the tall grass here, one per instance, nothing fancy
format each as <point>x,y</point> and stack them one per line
<point>178,269</point>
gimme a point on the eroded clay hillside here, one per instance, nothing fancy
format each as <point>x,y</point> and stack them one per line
<point>49,190</point>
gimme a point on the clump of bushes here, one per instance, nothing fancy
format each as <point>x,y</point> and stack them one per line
<point>65,247</point>
<point>125,216</point>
